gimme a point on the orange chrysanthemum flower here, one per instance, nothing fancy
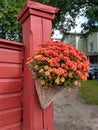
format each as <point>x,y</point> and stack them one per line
<point>42,82</point>
<point>55,63</point>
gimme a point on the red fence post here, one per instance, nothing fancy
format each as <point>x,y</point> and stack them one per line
<point>36,20</point>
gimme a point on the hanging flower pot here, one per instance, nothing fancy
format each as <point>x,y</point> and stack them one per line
<point>56,66</point>
<point>46,95</point>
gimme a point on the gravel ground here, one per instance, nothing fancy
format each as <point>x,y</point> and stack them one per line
<point>72,113</point>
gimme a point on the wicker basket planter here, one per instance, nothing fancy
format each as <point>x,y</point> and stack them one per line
<point>46,96</point>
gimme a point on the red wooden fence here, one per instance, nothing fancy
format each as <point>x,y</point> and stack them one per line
<point>36,20</point>
<point>10,84</point>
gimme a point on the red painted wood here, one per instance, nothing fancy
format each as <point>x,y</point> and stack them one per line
<point>47,27</point>
<point>16,126</point>
<point>10,85</point>
<point>32,113</point>
<point>42,14</point>
<point>47,113</point>
<point>11,43</point>
<point>10,70</point>
<point>38,10</point>
<point>12,47</point>
<point>10,116</point>
<point>36,22</point>
<point>10,101</point>
<point>12,56</point>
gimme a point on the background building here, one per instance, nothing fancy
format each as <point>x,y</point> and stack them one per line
<point>87,43</point>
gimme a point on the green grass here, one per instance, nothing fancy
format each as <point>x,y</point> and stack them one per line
<point>89,91</point>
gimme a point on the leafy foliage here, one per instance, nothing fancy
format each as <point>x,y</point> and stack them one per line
<point>69,9</point>
<point>9,26</point>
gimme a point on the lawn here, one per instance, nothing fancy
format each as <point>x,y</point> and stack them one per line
<point>89,91</point>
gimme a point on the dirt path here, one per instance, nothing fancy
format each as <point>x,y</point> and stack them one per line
<point>70,113</point>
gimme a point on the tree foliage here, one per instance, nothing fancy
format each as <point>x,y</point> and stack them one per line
<point>9,26</point>
<point>70,9</point>
<point>64,21</point>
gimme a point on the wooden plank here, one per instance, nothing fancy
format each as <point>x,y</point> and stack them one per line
<point>40,8</point>
<point>10,85</point>
<point>12,47</point>
<point>10,70</point>
<point>32,113</point>
<point>47,113</point>
<point>47,29</point>
<point>13,56</point>
<point>43,14</point>
<point>9,42</point>
<point>16,126</point>
<point>9,117</point>
<point>10,101</point>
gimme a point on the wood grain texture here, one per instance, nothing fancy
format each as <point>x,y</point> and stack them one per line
<point>10,70</point>
<point>11,85</point>
<point>36,22</point>
<point>8,101</point>
<point>9,117</point>
<point>10,56</point>
<point>11,78</point>
<point>16,126</point>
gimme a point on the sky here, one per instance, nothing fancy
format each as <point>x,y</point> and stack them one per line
<point>77,29</point>
<point>79,21</point>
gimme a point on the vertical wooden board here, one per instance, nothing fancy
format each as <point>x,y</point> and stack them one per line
<point>13,56</point>
<point>10,85</point>
<point>28,116</point>
<point>47,113</point>
<point>47,27</point>
<point>10,70</point>
<point>37,30</point>
<point>9,117</point>
<point>10,101</point>
<point>48,117</point>
<point>32,112</point>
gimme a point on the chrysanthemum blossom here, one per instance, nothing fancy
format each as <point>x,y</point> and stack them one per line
<point>59,64</point>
